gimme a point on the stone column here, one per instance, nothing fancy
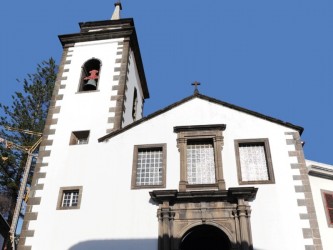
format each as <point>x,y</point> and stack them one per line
<point>243,224</point>
<point>237,229</point>
<point>218,145</point>
<point>165,220</point>
<point>181,144</point>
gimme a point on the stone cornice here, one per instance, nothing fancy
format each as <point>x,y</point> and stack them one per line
<point>231,195</point>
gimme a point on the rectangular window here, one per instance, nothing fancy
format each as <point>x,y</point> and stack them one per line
<point>200,163</point>
<point>79,137</point>
<point>328,205</point>
<point>200,148</point>
<point>254,161</point>
<point>149,164</point>
<point>69,198</point>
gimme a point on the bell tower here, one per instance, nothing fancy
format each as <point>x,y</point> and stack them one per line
<point>100,88</point>
<point>103,84</point>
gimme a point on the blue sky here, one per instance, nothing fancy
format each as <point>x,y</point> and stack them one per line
<point>273,57</point>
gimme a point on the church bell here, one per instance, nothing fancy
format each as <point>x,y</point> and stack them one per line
<point>90,85</point>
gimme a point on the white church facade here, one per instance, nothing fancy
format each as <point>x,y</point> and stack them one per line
<point>198,174</point>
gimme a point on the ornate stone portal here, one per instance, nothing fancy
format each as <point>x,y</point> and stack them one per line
<point>227,210</point>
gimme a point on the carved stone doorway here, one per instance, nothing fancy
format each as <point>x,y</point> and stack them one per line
<point>205,237</point>
<point>204,219</point>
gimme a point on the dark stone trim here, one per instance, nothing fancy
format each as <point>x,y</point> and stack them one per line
<point>59,97</point>
<point>52,121</point>
<point>321,175</point>
<point>45,153</point>
<point>111,120</point>
<point>37,187</point>
<point>47,143</point>
<point>120,97</point>
<point>35,201</point>
<point>40,175</point>
<point>41,164</point>
<point>24,247</point>
<point>27,233</point>
<point>178,129</point>
<point>321,172</point>
<point>231,195</point>
<point>31,216</point>
<point>305,188</point>
<point>203,97</point>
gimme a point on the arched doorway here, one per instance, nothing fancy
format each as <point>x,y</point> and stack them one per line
<point>205,237</point>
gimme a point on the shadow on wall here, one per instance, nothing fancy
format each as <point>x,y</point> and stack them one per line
<point>137,244</point>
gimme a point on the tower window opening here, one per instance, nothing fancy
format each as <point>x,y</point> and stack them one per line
<point>135,104</point>
<point>79,137</point>
<point>90,75</point>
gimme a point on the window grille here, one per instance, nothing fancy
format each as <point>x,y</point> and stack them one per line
<point>200,163</point>
<point>149,167</point>
<point>253,162</point>
<point>70,198</point>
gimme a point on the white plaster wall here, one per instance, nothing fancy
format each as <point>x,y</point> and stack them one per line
<point>88,109</point>
<point>132,82</point>
<point>112,212</point>
<point>318,184</point>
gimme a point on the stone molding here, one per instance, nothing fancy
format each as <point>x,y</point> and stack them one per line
<point>43,153</point>
<point>312,232</point>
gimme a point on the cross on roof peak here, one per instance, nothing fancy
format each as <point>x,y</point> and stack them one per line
<point>196,84</point>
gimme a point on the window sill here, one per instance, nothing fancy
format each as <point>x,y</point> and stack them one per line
<point>87,91</point>
<point>256,182</point>
<point>201,186</point>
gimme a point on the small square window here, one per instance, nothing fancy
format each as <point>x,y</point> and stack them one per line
<point>79,137</point>
<point>254,161</point>
<point>149,166</point>
<point>69,198</point>
<point>328,206</point>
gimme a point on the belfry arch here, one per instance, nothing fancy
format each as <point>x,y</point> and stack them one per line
<point>194,219</point>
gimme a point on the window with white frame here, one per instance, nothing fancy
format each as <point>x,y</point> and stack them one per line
<point>254,161</point>
<point>69,198</point>
<point>149,163</point>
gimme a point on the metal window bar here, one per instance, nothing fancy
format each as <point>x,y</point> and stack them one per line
<point>70,199</point>
<point>200,163</point>
<point>149,167</point>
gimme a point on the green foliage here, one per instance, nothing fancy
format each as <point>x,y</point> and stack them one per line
<point>28,111</point>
